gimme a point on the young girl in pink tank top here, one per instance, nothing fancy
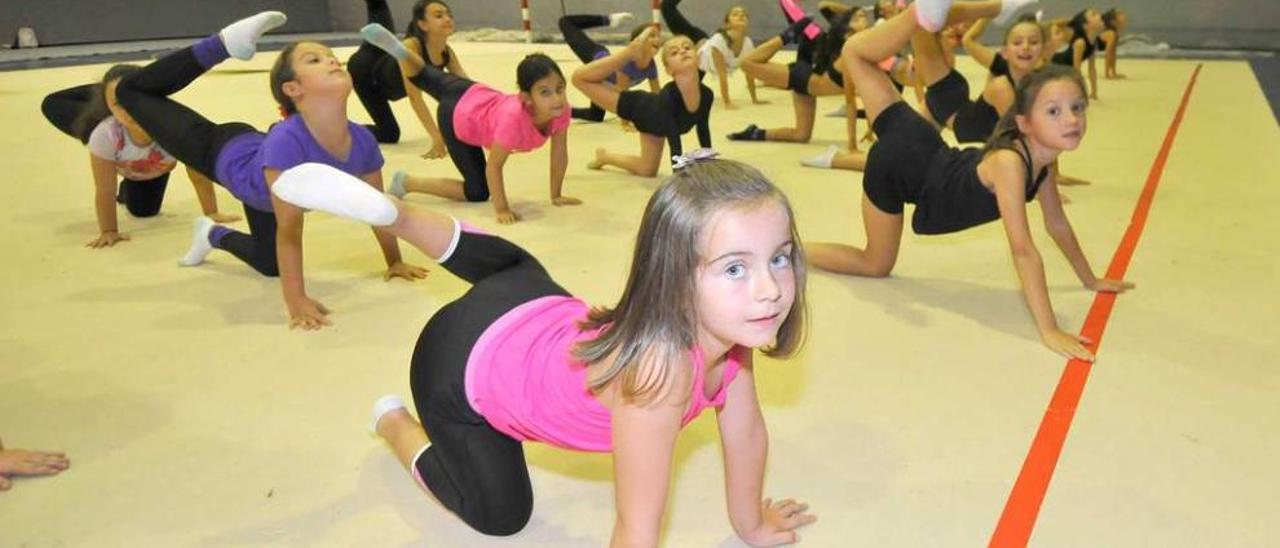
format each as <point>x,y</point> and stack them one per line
<point>718,271</point>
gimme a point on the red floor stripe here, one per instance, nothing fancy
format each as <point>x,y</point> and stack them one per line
<point>1023,506</point>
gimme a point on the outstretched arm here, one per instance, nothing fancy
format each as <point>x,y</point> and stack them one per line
<point>745,447</point>
<point>497,186</point>
<point>1008,175</point>
<point>722,71</point>
<point>644,439</point>
<point>1059,228</point>
<point>973,44</point>
<point>304,311</point>
<point>560,164</point>
<point>104,202</point>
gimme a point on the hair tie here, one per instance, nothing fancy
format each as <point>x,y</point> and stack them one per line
<point>284,112</point>
<point>679,161</point>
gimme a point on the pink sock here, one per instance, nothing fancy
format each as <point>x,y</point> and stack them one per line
<point>794,13</point>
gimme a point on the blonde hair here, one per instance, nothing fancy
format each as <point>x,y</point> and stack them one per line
<point>655,321</point>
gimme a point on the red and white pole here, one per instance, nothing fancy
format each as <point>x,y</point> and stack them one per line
<point>528,23</point>
<point>657,12</point>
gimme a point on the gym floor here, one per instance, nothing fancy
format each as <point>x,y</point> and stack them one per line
<point>194,416</point>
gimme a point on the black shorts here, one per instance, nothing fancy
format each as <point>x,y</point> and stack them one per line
<point>899,162</point>
<point>505,276</point>
<point>798,74</point>
<point>648,111</point>
<point>946,96</point>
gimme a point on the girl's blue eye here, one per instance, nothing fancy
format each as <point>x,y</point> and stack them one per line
<point>736,270</point>
<point>781,260</point>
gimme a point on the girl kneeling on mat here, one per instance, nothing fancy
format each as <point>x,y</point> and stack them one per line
<point>312,89</point>
<point>474,117</point>
<point>955,189</point>
<point>717,272</point>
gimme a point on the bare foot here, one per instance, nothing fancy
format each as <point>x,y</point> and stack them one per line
<point>22,462</point>
<point>598,163</point>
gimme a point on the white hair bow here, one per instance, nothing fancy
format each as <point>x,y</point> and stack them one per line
<point>679,161</point>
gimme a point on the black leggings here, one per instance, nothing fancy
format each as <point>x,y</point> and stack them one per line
<point>142,197</point>
<point>447,89</point>
<point>678,24</point>
<point>196,142</point>
<point>473,469</point>
<point>375,76</point>
<point>572,26</point>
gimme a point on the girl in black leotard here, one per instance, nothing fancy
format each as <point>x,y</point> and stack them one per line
<point>681,105</point>
<point>955,189</point>
<point>1084,29</point>
<point>1114,20</point>
<point>376,77</point>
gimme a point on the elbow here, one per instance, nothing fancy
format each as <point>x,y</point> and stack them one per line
<point>1025,254</point>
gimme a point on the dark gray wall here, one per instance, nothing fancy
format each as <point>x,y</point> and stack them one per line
<point>1252,24</point>
<point>82,21</point>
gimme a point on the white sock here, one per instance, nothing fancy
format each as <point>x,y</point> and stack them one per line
<point>241,37</point>
<point>382,38</point>
<point>384,405</point>
<point>328,189</point>
<point>200,246</point>
<point>839,112</point>
<point>823,160</point>
<point>1009,8</point>
<point>620,18</point>
<point>932,14</point>
<point>396,188</point>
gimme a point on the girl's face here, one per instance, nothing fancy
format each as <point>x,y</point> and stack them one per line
<point>437,20</point>
<point>1093,22</point>
<point>1057,117</point>
<point>546,99</point>
<point>1058,35</point>
<point>679,55</point>
<point>737,18</point>
<point>1023,46</point>
<point>888,8</point>
<point>117,111</point>
<point>860,21</point>
<point>746,283</point>
<point>317,73</point>
<point>1121,20</point>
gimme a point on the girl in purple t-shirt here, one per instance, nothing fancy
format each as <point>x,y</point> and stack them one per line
<point>312,89</point>
<point>474,117</point>
<point>128,166</point>
<point>717,271</point>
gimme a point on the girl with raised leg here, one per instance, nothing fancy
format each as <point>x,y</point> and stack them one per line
<point>717,272</point>
<point>721,53</point>
<point>642,69</point>
<point>377,78</point>
<point>311,88</point>
<point>683,104</point>
<point>955,189</point>
<point>127,165</point>
<point>474,117</point>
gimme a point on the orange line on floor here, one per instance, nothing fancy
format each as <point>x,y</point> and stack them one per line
<point>1023,506</point>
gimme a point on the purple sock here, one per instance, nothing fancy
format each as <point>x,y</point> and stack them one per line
<point>217,233</point>
<point>210,51</point>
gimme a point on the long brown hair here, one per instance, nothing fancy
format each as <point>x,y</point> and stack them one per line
<point>281,72</point>
<point>1024,97</point>
<point>655,320</point>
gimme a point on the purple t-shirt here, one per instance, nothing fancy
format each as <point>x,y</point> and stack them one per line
<point>287,144</point>
<point>636,74</point>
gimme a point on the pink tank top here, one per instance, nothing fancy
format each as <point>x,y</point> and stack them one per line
<point>485,116</point>
<point>522,378</point>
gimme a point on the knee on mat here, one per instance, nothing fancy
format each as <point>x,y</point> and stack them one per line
<point>143,210</point>
<point>476,194</point>
<point>506,521</point>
